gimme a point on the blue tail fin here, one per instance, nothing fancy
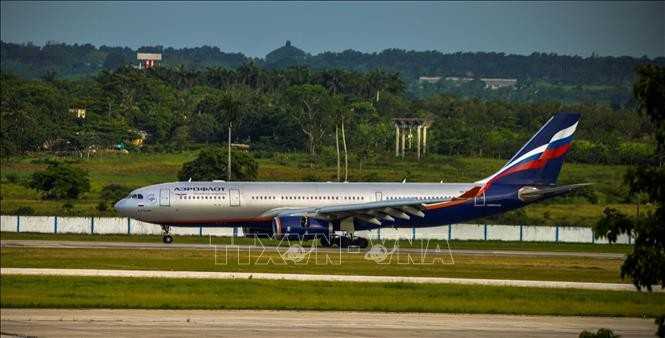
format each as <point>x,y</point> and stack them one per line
<point>539,161</point>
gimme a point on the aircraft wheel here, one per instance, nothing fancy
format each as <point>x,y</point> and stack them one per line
<point>167,239</point>
<point>345,242</point>
<point>361,242</point>
<point>325,242</point>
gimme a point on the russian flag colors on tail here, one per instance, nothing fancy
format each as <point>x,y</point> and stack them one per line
<point>540,159</point>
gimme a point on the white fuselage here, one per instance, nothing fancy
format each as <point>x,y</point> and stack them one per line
<point>183,202</point>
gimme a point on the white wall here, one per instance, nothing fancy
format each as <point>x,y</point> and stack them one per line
<point>439,232</point>
<point>391,233</point>
<point>36,224</point>
<point>119,225</point>
<point>76,225</point>
<point>8,223</point>
<point>533,233</point>
<point>468,231</point>
<point>503,232</point>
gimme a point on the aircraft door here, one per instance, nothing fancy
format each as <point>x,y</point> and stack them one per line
<point>379,196</point>
<point>164,198</point>
<point>479,201</point>
<point>234,195</point>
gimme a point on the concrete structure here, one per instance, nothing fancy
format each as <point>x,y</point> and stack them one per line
<point>494,84</point>
<point>490,83</point>
<point>489,232</point>
<point>410,123</point>
<point>148,60</point>
<point>429,79</point>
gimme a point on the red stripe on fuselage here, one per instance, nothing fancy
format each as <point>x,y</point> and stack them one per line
<point>279,226</point>
<point>445,204</point>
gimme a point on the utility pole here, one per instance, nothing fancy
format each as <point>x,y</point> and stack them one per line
<point>228,169</point>
<point>346,156</point>
<point>337,146</point>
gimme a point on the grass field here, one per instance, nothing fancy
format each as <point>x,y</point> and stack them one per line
<point>454,244</point>
<point>576,269</point>
<point>97,292</point>
<point>140,169</point>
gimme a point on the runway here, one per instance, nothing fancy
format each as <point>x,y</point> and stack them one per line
<point>185,246</point>
<point>318,277</point>
<point>252,323</point>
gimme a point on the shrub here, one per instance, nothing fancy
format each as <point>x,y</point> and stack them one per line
<point>24,211</point>
<point>101,206</point>
<point>12,178</point>
<point>371,177</point>
<point>311,178</point>
<point>211,164</point>
<point>60,181</point>
<point>114,192</point>
<point>68,205</point>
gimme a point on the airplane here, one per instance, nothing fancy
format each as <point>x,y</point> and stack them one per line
<point>333,212</point>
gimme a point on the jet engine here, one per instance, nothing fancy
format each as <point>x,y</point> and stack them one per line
<point>300,227</point>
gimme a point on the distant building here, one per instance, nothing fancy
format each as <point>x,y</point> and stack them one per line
<point>240,146</point>
<point>148,60</point>
<point>80,112</point>
<point>429,79</point>
<point>494,84</point>
<point>139,138</point>
<point>490,83</point>
<point>459,79</point>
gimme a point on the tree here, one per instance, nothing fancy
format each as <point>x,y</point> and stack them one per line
<point>646,264</point>
<point>114,192</point>
<point>60,181</point>
<point>114,60</point>
<point>312,108</point>
<point>204,127</point>
<point>211,164</point>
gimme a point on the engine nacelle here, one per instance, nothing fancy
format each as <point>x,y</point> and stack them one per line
<point>300,227</point>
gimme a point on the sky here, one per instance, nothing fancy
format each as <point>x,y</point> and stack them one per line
<point>614,28</point>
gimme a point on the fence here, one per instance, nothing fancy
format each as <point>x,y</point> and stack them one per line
<point>119,225</point>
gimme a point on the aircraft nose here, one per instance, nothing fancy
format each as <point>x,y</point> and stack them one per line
<point>121,207</point>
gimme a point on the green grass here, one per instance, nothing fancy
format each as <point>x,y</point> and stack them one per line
<point>576,269</point>
<point>152,293</point>
<point>141,169</point>
<point>454,244</point>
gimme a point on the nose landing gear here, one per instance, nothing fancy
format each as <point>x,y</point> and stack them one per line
<point>166,238</point>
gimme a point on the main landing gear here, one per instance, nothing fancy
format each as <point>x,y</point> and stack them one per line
<point>166,238</point>
<point>344,242</point>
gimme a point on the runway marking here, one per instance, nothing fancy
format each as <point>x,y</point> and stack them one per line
<point>325,278</point>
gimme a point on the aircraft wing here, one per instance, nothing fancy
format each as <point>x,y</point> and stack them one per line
<point>374,212</point>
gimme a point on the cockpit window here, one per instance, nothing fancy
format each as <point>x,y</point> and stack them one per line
<point>139,196</point>
<point>135,196</point>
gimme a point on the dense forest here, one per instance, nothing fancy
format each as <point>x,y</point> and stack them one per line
<point>296,108</point>
<point>540,76</point>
